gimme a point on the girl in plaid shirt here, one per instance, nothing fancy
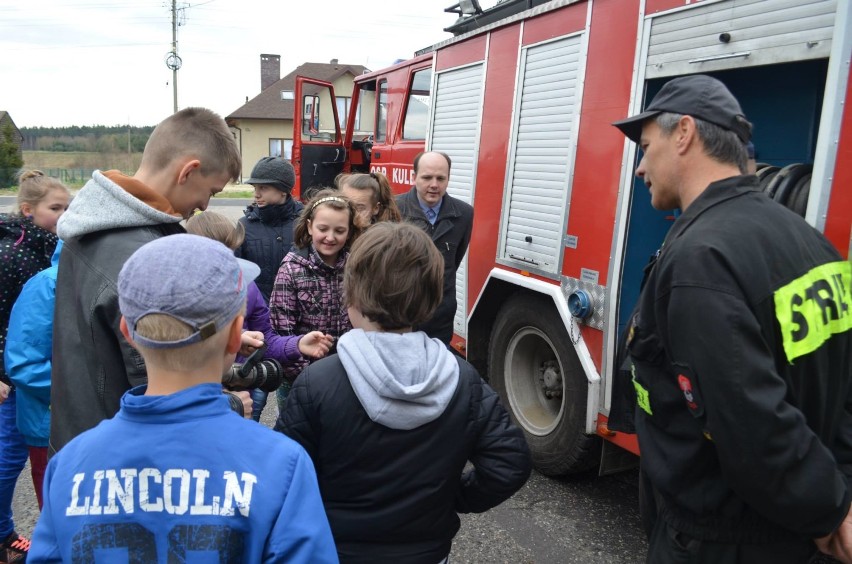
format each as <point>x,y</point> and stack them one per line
<point>308,290</point>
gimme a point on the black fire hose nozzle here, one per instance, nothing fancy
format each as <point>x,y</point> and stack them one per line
<point>266,375</point>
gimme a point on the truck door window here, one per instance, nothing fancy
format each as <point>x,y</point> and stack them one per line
<point>366,112</point>
<point>418,103</point>
<point>382,113</point>
<point>343,105</point>
<point>318,118</point>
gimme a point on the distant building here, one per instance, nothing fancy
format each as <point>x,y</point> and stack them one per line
<point>17,137</point>
<point>263,126</point>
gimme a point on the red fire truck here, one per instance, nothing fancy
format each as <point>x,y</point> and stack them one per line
<point>522,99</point>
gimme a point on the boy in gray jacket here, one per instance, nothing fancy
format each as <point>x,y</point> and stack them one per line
<point>189,157</point>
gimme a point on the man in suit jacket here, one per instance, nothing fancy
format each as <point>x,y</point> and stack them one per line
<point>448,221</point>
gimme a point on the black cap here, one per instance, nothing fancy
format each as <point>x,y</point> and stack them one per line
<point>699,96</point>
<point>273,171</point>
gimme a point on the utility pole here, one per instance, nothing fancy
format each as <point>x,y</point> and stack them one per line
<point>172,59</point>
<point>174,50</point>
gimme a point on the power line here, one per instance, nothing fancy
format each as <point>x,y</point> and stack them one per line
<point>93,46</point>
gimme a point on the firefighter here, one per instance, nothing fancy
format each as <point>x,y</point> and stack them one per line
<point>741,351</point>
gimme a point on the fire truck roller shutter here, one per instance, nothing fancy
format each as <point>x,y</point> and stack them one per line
<point>754,46</point>
<point>455,131</point>
<point>533,366</point>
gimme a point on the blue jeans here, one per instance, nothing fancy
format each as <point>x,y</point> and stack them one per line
<point>259,398</point>
<point>258,401</point>
<point>13,457</point>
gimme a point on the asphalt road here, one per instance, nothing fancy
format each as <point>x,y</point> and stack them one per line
<point>7,204</point>
<point>585,519</point>
<point>232,207</point>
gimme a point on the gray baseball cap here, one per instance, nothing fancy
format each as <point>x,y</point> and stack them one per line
<point>273,171</point>
<point>193,279</point>
<point>699,96</point>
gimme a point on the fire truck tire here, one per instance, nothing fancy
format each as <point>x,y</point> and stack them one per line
<point>799,199</point>
<point>533,366</point>
<point>787,179</point>
<point>765,175</point>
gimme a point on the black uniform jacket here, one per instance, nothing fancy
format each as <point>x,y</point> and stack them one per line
<point>451,234</point>
<point>742,362</point>
<point>269,237</point>
<point>392,495</point>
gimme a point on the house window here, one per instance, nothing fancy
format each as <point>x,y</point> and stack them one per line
<point>382,113</point>
<point>343,105</point>
<point>281,148</point>
<point>287,95</point>
<point>417,110</point>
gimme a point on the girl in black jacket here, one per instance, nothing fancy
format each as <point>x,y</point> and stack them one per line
<point>269,224</point>
<point>27,241</point>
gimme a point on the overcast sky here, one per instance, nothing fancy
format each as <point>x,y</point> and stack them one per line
<point>86,62</point>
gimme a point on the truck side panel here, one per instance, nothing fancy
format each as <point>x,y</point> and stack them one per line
<point>606,99</point>
<point>597,172</point>
<point>471,51</point>
<point>656,6</point>
<point>570,20</point>
<point>838,225</point>
<point>493,151</point>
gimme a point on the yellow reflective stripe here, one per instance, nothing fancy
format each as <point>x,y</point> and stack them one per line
<point>813,307</point>
<point>642,397</point>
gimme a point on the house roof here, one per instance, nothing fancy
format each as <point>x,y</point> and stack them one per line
<point>269,105</point>
<point>6,118</point>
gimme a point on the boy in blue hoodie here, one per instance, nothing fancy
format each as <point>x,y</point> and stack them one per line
<point>162,481</point>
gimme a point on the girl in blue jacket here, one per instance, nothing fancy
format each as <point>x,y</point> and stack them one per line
<point>27,241</point>
<point>29,344</point>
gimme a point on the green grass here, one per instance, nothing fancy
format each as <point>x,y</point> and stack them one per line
<point>45,160</point>
<point>9,191</point>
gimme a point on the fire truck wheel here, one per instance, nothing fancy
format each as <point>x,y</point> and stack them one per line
<point>799,198</point>
<point>534,368</point>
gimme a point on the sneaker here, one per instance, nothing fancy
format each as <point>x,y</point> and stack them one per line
<point>14,548</point>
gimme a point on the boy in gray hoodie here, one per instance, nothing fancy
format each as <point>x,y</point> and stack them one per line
<point>189,157</point>
<point>392,419</point>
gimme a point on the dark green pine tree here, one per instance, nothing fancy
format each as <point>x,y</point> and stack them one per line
<point>10,159</point>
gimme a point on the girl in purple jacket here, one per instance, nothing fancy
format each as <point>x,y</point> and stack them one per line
<point>257,329</point>
<point>308,290</point>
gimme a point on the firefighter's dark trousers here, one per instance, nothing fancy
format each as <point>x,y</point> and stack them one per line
<point>668,546</point>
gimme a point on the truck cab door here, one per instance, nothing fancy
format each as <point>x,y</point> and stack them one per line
<point>382,149</point>
<point>318,152</point>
